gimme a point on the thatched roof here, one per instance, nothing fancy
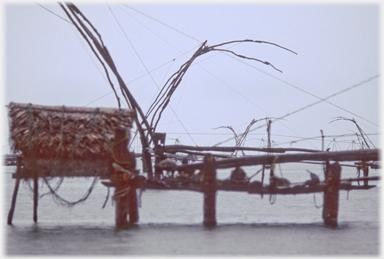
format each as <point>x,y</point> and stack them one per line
<point>65,132</point>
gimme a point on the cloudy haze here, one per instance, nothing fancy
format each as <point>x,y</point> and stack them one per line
<point>48,63</point>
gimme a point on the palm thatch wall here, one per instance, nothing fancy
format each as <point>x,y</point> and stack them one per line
<point>59,132</point>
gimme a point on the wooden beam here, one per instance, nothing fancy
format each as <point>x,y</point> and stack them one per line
<point>182,148</point>
<point>249,188</point>
<point>351,155</point>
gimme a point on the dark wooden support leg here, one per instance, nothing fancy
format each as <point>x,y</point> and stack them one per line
<point>331,194</point>
<point>147,164</point>
<point>15,191</point>
<point>121,204</point>
<point>35,197</point>
<point>262,181</point>
<point>125,179</point>
<point>366,172</point>
<point>133,209</point>
<point>12,209</point>
<point>209,187</point>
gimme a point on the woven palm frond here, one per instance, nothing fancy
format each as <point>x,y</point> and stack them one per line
<point>61,132</point>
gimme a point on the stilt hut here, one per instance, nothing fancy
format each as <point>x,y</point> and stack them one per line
<point>69,141</point>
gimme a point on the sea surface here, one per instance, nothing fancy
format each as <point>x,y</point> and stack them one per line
<point>170,222</point>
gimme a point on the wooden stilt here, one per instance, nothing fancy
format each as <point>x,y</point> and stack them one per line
<point>125,180</point>
<point>35,196</point>
<point>121,211</point>
<point>147,164</point>
<point>159,156</point>
<point>12,209</point>
<point>331,194</point>
<point>132,203</point>
<point>126,202</point>
<point>262,180</point>
<point>209,187</point>
<point>15,191</point>
<point>365,171</point>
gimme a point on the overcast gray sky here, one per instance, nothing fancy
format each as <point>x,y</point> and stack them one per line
<point>48,63</point>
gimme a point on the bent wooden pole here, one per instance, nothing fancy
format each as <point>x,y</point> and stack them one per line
<point>331,194</point>
<point>209,187</point>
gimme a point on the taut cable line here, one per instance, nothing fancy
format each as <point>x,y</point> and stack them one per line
<point>304,91</point>
<point>312,104</point>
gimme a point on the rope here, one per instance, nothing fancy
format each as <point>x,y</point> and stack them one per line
<point>358,175</point>
<point>315,103</point>
<point>55,189</point>
<point>273,163</point>
<point>314,200</point>
<point>106,199</point>
<point>53,13</point>
<point>113,154</point>
<point>65,202</point>
<point>121,193</point>
<point>272,199</point>
<point>134,49</point>
<point>162,23</point>
<point>320,99</point>
<point>119,168</point>
<point>257,172</point>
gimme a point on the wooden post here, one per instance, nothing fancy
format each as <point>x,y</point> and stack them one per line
<point>331,194</point>
<point>322,149</point>
<point>126,203</point>
<point>262,182</point>
<point>159,156</point>
<point>125,183</point>
<point>133,210</point>
<point>15,191</point>
<point>35,195</point>
<point>269,134</point>
<point>209,187</point>
<point>147,164</point>
<point>121,210</point>
<point>366,172</point>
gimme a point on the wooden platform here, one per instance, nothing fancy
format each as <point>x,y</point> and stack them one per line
<point>252,188</point>
<point>64,167</point>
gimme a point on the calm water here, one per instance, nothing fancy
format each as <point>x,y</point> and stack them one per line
<point>171,222</point>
